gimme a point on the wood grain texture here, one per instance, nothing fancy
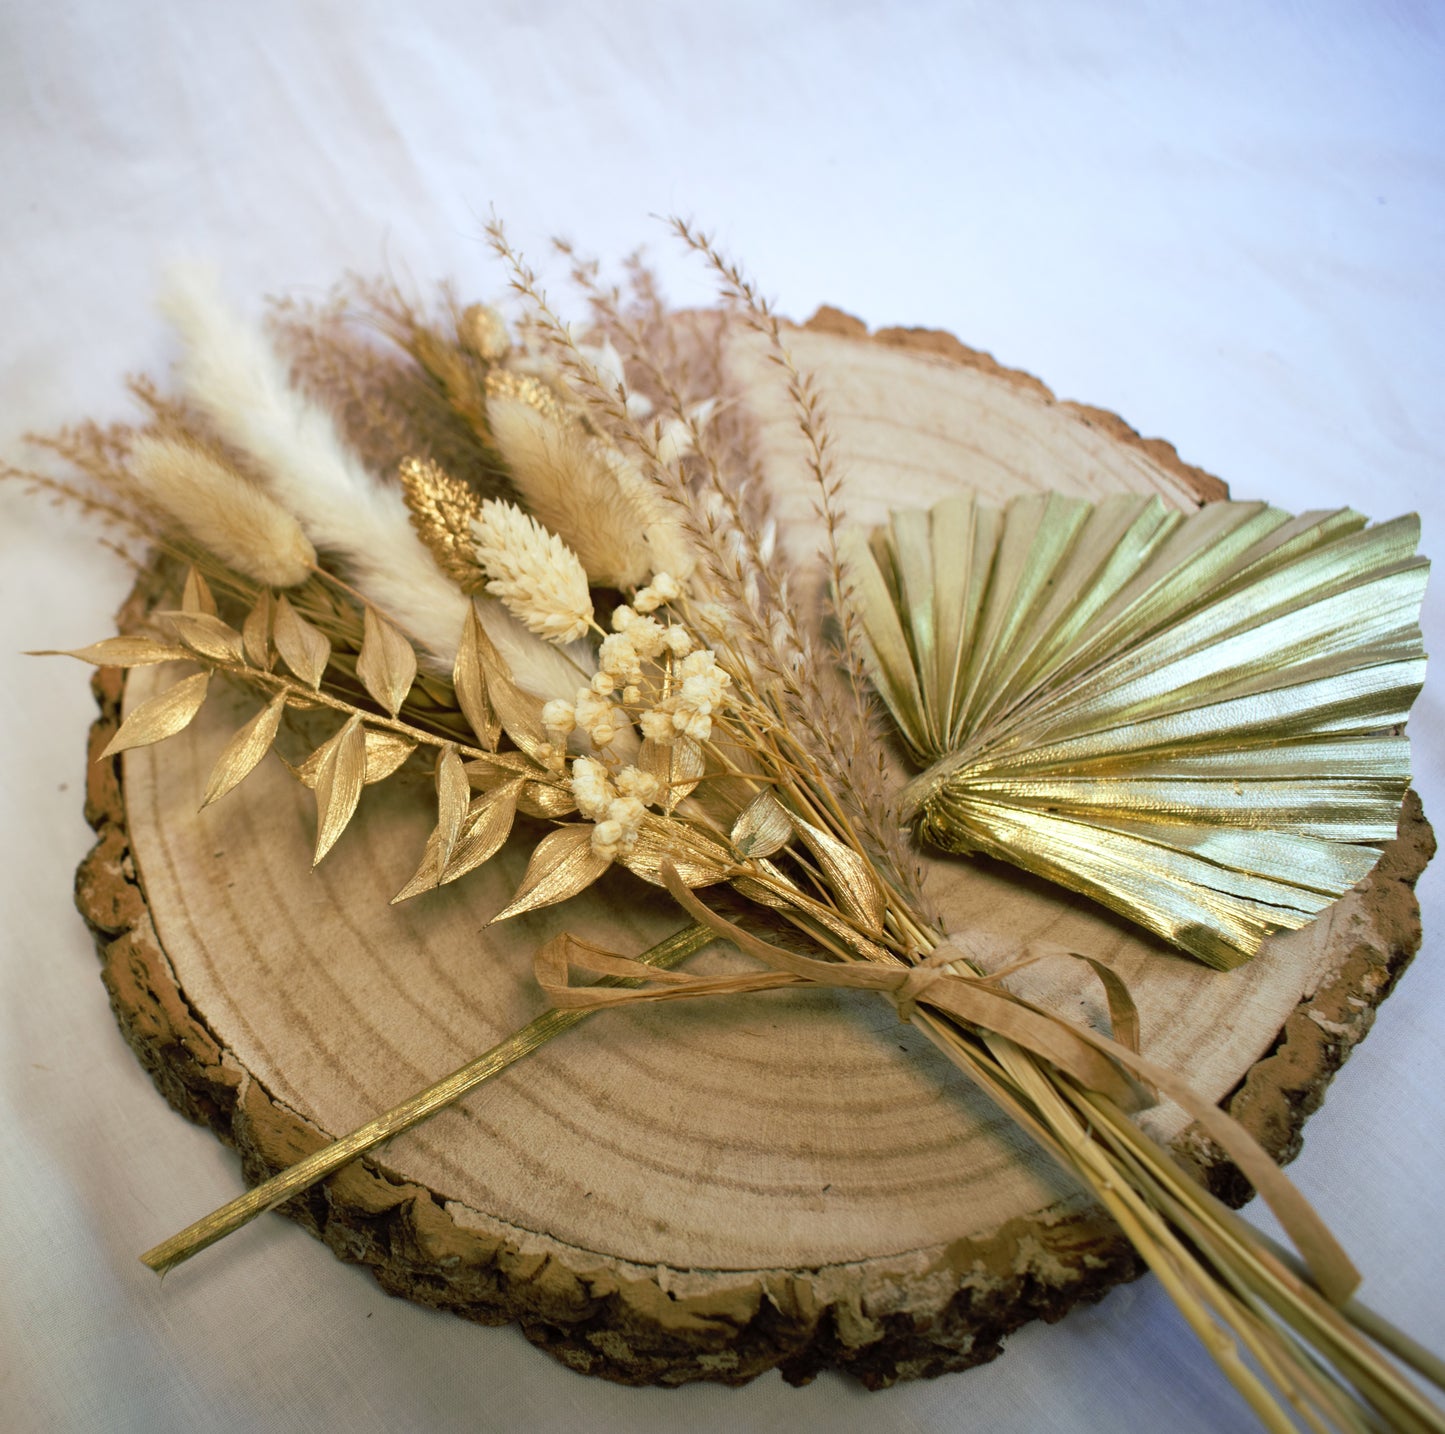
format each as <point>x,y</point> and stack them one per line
<point>714,1189</point>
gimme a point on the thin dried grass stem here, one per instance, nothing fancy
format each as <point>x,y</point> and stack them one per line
<point>851,742</point>
<point>843,744</point>
<point>1241,1255</point>
<point>330,1158</point>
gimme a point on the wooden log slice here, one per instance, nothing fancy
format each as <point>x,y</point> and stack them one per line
<point>712,1189</point>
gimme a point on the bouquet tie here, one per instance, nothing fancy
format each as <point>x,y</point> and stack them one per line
<point>1111,1068</point>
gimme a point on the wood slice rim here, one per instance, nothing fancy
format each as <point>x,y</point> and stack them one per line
<point>939,1309</point>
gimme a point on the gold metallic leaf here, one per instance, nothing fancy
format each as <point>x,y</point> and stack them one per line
<point>1191,718</point>
<point>339,779</point>
<point>303,648</point>
<point>427,876</point>
<point>486,828</point>
<point>432,692</point>
<point>442,509</point>
<point>763,828</point>
<point>385,753</point>
<point>121,652</point>
<point>486,772</point>
<point>519,713</point>
<point>454,793</point>
<point>890,658</point>
<point>563,863</point>
<point>245,750</point>
<point>206,634</point>
<point>256,632</point>
<point>540,799</point>
<point>850,875</point>
<point>162,716</point>
<point>699,860</point>
<point>471,685</point>
<point>766,893</point>
<point>387,664</point>
<point>488,824</point>
<point>679,765</point>
<point>196,595</point>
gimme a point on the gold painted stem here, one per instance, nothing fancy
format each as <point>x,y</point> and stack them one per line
<point>330,1158</point>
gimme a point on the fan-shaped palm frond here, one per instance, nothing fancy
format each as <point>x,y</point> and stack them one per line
<point>1192,718</point>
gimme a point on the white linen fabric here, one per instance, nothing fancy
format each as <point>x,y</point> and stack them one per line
<point>1223,223</point>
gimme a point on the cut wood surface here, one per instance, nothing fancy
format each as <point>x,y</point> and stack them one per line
<point>713,1188</point>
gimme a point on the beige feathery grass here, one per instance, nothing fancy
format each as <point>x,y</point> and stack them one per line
<point>535,573</point>
<point>222,511</point>
<point>233,376</point>
<point>566,481</point>
<point>349,353</point>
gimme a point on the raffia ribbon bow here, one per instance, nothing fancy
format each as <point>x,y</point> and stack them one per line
<point>947,981</point>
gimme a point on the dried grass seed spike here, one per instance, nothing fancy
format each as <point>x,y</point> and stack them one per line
<point>224,512</point>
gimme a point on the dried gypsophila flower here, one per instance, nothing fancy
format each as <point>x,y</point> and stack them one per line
<point>596,716</point>
<point>616,805</point>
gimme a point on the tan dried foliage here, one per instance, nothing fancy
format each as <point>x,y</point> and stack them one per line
<point>363,355</point>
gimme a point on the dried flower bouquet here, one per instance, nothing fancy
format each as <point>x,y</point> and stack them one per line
<point>567,598</point>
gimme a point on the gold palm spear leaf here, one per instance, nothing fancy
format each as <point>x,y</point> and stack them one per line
<point>1194,719</point>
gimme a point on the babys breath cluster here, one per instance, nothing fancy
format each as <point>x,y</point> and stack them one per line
<point>687,711</point>
<point>649,671</point>
<point>616,803</point>
<point>678,697</point>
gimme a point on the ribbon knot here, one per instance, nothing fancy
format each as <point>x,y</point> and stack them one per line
<point>921,976</point>
<point>1111,1068</point>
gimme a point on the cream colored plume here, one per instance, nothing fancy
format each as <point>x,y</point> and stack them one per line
<point>557,470</point>
<point>230,371</point>
<point>585,491</point>
<point>221,510</point>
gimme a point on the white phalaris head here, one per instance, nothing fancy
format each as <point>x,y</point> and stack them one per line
<point>533,572</point>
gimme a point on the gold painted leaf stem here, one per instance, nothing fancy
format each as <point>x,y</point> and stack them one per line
<point>162,716</point>
<point>330,1158</point>
<point>277,682</point>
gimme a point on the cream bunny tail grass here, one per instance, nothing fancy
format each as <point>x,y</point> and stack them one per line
<point>569,485</point>
<point>223,511</point>
<point>231,373</point>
